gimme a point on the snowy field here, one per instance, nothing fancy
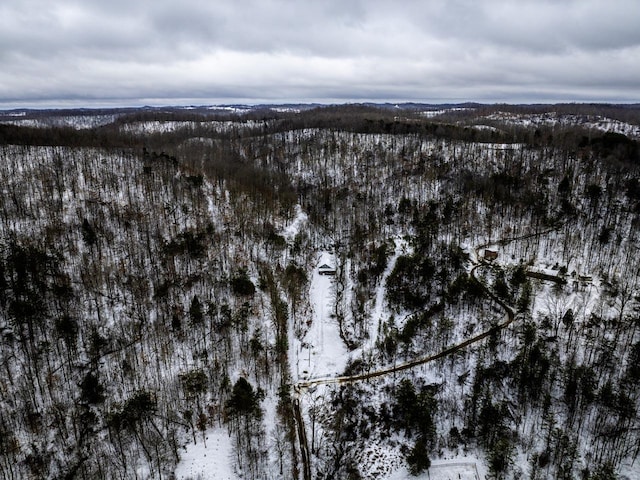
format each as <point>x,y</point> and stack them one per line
<point>207,460</point>
<point>322,352</point>
<point>455,469</point>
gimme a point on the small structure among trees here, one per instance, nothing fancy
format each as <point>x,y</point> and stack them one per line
<point>325,269</point>
<point>490,255</point>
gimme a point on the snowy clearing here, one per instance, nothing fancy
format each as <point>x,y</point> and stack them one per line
<point>208,460</point>
<point>321,352</point>
<point>455,469</point>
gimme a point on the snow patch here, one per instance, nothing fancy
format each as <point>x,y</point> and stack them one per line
<point>291,230</point>
<point>208,460</point>
<point>465,468</point>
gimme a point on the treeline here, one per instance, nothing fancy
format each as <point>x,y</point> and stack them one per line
<point>64,136</point>
<point>357,118</point>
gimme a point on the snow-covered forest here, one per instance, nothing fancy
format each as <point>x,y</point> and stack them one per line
<point>339,292</point>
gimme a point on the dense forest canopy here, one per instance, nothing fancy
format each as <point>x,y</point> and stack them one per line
<point>159,282</point>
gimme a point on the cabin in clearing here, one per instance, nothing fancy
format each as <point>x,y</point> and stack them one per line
<point>325,269</point>
<point>490,255</point>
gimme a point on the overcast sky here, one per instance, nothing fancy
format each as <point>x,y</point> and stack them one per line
<point>137,52</point>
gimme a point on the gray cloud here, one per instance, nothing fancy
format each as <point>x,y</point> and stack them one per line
<point>198,51</point>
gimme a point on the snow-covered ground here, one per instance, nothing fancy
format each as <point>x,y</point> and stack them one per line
<point>322,351</point>
<point>455,469</point>
<point>208,460</point>
<point>290,231</point>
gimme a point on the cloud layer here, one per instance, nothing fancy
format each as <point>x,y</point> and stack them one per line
<point>92,52</point>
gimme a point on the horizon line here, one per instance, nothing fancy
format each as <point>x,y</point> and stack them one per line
<point>73,105</point>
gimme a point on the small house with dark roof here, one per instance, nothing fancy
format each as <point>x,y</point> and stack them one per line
<point>325,269</point>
